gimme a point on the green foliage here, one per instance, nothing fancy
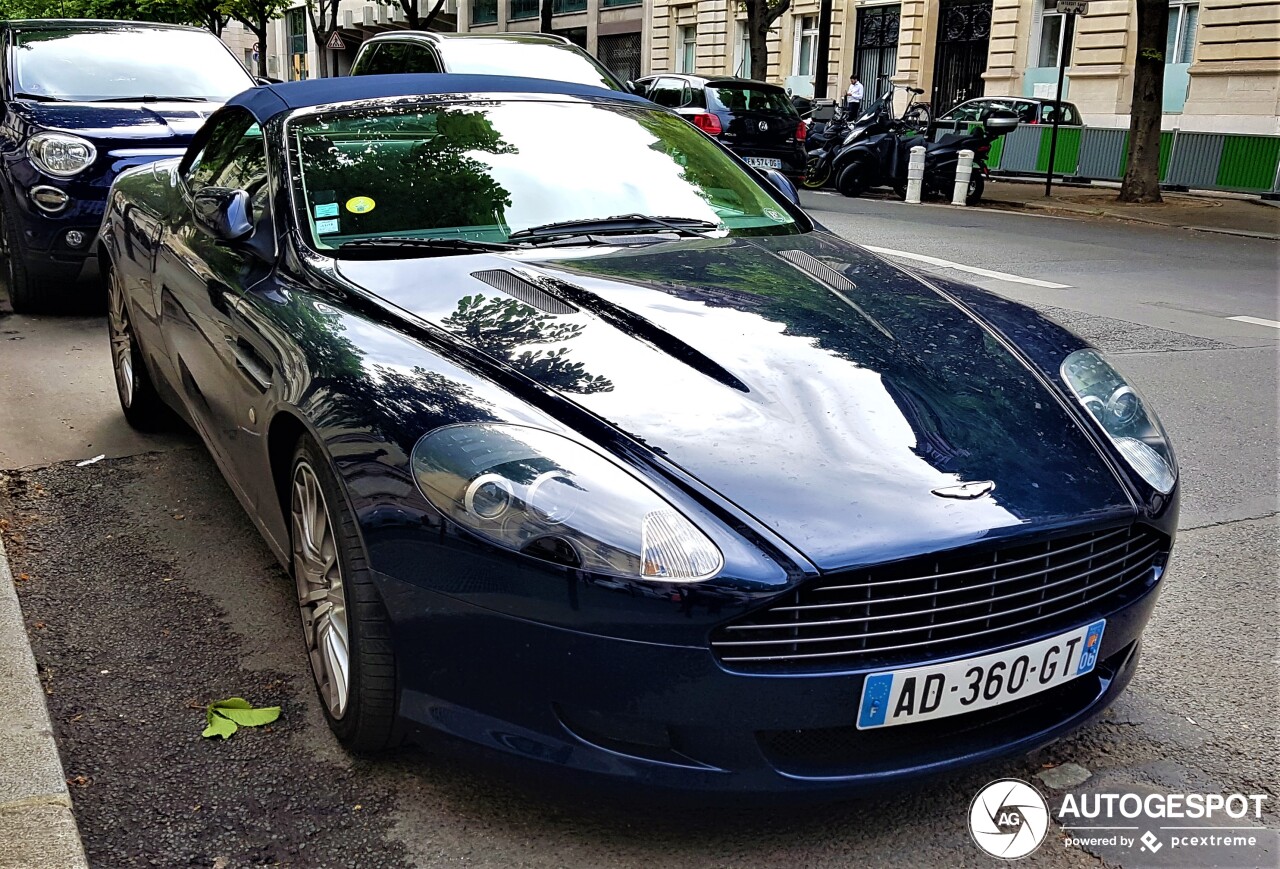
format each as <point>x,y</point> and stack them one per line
<point>225,717</point>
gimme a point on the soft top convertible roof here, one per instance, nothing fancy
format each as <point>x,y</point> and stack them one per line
<point>267,101</point>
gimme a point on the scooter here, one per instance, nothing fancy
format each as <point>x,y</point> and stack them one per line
<point>882,160</point>
<point>829,156</point>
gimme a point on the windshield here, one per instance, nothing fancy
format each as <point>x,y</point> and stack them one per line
<point>86,63</point>
<point>525,60</point>
<point>483,171</point>
<point>738,98</point>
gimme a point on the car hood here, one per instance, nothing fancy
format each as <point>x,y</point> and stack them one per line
<point>152,122</point>
<point>827,393</point>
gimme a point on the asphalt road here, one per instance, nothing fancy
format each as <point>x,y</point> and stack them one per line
<point>148,594</point>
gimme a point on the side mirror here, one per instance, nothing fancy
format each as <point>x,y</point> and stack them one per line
<point>223,213</point>
<point>1000,122</point>
<point>784,185</point>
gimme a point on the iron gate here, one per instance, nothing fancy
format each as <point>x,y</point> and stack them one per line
<point>621,54</point>
<point>876,54</point>
<point>964,28</point>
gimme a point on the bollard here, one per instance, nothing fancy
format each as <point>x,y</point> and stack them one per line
<point>915,174</point>
<point>964,169</point>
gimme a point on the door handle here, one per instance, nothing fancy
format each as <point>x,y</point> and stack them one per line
<point>251,363</point>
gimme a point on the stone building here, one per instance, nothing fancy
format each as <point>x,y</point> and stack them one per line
<point>1222,58</point>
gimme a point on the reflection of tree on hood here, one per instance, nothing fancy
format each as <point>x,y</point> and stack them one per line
<point>415,168</point>
<point>502,327</point>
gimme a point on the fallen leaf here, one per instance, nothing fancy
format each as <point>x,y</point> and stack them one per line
<point>226,716</point>
<point>179,516</point>
<point>22,577</point>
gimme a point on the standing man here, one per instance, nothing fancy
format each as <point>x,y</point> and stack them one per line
<point>853,97</point>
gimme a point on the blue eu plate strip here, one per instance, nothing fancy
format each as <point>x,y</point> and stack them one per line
<point>1092,645</point>
<point>875,700</point>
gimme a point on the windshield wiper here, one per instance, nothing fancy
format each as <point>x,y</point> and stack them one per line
<point>617,223</point>
<point>151,98</point>
<point>40,98</point>
<point>437,245</point>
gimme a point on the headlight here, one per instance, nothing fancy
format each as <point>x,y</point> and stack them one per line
<point>538,493</point>
<point>1124,416</point>
<point>61,154</point>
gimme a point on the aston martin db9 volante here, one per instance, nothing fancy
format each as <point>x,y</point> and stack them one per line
<point>596,450</point>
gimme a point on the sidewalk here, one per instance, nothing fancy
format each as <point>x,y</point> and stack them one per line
<point>1226,213</point>
<point>37,829</point>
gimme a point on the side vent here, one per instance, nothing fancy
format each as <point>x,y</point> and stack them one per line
<point>518,288</point>
<point>817,268</point>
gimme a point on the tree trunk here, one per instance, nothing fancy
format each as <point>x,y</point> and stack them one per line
<point>260,32</point>
<point>411,16</point>
<point>760,19</point>
<point>545,12</point>
<point>431,16</point>
<point>1142,173</point>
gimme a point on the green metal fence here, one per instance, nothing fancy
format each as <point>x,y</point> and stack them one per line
<point>1205,161</point>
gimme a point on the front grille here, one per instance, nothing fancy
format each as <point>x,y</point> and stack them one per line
<point>959,602</point>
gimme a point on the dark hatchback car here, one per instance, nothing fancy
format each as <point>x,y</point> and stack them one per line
<point>755,120</point>
<point>83,100</point>
<point>528,55</point>
<point>596,451</point>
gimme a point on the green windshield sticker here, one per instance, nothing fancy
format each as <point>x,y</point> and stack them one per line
<point>328,209</point>
<point>326,227</point>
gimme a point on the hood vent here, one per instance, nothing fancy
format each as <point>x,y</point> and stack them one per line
<point>518,288</point>
<point>816,268</point>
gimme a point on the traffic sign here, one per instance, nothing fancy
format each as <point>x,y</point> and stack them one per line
<point>1073,7</point>
<point>335,42</point>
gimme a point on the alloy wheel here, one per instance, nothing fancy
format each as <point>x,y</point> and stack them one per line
<point>121,335</point>
<point>321,598</point>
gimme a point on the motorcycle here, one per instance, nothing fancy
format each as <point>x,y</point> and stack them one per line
<point>826,149</point>
<point>882,160</point>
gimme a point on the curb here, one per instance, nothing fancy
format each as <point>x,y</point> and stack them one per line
<point>1114,215</point>
<point>37,828</point>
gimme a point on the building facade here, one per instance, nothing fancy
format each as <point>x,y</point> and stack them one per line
<point>612,30</point>
<point>1222,70</point>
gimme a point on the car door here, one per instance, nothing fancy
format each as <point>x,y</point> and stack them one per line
<point>201,281</point>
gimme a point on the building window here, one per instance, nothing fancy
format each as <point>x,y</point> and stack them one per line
<point>296,22</point>
<point>805,55</point>
<point>687,56</point>
<point>484,11</point>
<point>564,7</point>
<point>742,52</point>
<point>876,56</point>
<point>612,3</point>
<point>522,9</point>
<point>1055,31</point>
<point>621,53</point>
<point>1182,32</point>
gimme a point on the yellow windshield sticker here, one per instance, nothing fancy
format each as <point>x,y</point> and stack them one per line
<point>360,205</point>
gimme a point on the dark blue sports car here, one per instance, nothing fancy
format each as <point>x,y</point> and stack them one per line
<point>83,100</point>
<point>595,450</point>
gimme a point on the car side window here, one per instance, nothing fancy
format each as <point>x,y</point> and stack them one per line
<point>668,92</point>
<point>367,62</point>
<point>407,57</point>
<point>234,155</point>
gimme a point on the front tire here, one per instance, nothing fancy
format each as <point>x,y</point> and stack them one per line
<point>344,623</point>
<point>143,408</point>
<point>853,180</point>
<point>44,288</point>
<point>817,171</point>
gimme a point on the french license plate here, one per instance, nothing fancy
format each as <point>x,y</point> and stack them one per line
<point>763,162</point>
<point>939,690</point>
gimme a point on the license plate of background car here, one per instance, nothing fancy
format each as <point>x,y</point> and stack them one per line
<point>939,690</point>
<point>763,162</point>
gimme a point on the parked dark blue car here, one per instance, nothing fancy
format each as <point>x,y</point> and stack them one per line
<point>596,451</point>
<point>81,101</point>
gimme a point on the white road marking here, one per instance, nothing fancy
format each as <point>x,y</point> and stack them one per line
<point>973,270</point>
<point>1257,321</point>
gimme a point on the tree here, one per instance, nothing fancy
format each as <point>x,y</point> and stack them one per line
<point>209,14</point>
<point>412,16</point>
<point>761,15</point>
<point>1142,173</point>
<point>323,17</point>
<point>256,15</point>
<point>545,12</point>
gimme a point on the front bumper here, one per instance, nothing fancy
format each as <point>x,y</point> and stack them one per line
<point>673,717</point>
